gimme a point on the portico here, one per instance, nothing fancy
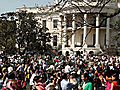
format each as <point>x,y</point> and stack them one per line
<point>79,36</point>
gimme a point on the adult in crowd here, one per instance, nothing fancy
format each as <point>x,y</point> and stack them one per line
<point>31,79</point>
<point>38,84</point>
<point>65,84</point>
<point>78,72</point>
<point>12,83</point>
<point>86,85</point>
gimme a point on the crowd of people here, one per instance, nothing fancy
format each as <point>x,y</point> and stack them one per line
<point>83,72</point>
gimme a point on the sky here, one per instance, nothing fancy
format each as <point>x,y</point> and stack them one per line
<point>11,5</point>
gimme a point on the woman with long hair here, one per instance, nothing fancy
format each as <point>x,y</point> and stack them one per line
<point>114,82</point>
<point>86,84</point>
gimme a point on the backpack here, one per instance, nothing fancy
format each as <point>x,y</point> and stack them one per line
<point>19,84</point>
<point>42,86</point>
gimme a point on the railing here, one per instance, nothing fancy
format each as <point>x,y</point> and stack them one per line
<point>78,45</point>
<point>67,45</point>
<point>91,45</point>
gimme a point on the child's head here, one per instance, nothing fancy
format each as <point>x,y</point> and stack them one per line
<point>109,76</point>
<point>19,76</point>
<point>36,79</point>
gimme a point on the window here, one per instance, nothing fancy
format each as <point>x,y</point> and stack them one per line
<point>44,23</point>
<point>55,40</point>
<point>67,40</point>
<point>94,37</point>
<point>81,39</point>
<point>105,40</point>
<point>69,20</point>
<point>55,23</point>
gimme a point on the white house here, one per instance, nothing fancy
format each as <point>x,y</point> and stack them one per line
<point>69,27</point>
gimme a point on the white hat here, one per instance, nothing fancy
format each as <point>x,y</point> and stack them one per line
<point>73,72</point>
<point>10,69</point>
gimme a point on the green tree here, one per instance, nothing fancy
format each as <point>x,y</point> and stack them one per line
<point>43,37</point>
<point>26,31</point>
<point>30,36</point>
<point>7,33</point>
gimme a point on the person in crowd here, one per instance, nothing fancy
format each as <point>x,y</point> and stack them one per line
<point>38,84</point>
<point>108,80</point>
<point>65,84</point>
<point>67,68</point>
<point>114,82</point>
<point>53,85</point>
<point>97,71</point>
<point>58,81</point>
<point>118,81</point>
<point>73,80</point>
<point>32,77</point>
<point>12,83</point>
<point>20,81</point>
<point>86,85</point>
<point>20,68</point>
<point>4,79</point>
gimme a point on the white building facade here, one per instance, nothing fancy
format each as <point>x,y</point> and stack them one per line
<point>71,29</point>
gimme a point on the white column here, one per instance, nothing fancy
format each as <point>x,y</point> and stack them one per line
<point>108,32</point>
<point>60,29</point>
<point>64,33</point>
<point>85,30</point>
<point>73,31</point>
<point>97,32</point>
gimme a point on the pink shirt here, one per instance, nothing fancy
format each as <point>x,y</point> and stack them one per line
<point>9,85</point>
<point>108,86</point>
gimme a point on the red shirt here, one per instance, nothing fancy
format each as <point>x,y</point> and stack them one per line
<point>114,85</point>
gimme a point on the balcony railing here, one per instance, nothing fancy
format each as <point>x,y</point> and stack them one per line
<point>78,45</point>
<point>67,45</point>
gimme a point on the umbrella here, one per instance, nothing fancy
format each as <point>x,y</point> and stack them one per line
<point>31,52</point>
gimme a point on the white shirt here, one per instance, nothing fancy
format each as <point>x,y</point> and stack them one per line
<point>83,85</point>
<point>79,72</point>
<point>44,66</point>
<point>50,84</point>
<point>66,85</point>
<point>11,60</point>
<point>67,69</point>
<point>5,82</point>
<point>81,62</point>
<point>10,69</point>
<point>31,79</point>
<point>40,61</point>
<point>20,68</point>
<point>95,67</point>
<point>51,66</point>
